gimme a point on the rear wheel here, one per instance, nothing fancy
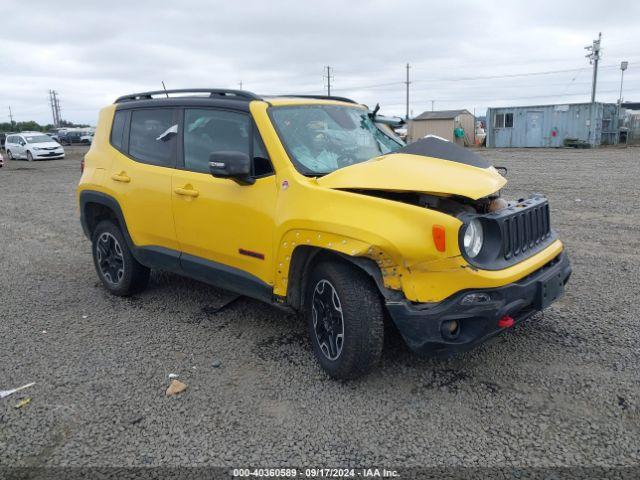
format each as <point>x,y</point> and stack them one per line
<point>116,267</point>
<point>345,319</point>
<point>29,156</point>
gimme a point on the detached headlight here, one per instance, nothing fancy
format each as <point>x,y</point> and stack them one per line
<point>473,238</point>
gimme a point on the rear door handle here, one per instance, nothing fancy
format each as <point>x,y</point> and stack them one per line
<point>121,177</point>
<point>187,192</point>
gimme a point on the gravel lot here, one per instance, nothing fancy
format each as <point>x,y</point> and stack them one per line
<point>561,389</point>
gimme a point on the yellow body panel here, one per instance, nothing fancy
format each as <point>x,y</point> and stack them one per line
<point>416,173</point>
<point>145,194</point>
<point>224,218</point>
<point>282,212</point>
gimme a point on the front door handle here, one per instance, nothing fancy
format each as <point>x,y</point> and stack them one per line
<point>121,177</point>
<point>187,192</point>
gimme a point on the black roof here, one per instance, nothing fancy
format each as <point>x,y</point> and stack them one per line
<point>214,93</point>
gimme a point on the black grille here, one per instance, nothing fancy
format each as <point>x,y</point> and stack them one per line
<point>524,229</point>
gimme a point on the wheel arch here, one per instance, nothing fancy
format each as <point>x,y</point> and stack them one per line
<point>98,206</point>
<point>303,260</point>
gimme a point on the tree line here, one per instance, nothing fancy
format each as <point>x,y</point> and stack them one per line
<point>33,126</point>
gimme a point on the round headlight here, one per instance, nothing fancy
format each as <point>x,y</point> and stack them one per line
<point>473,238</point>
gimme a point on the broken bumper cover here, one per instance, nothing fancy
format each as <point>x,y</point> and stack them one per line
<point>425,327</point>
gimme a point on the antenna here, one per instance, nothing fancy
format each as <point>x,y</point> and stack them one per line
<point>165,89</point>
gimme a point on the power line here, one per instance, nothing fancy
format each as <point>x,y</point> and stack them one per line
<point>463,79</point>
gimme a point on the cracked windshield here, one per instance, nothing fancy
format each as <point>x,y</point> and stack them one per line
<point>324,138</point>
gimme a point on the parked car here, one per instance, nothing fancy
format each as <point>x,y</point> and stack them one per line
<point>1,161</point>
<point>3,138</point>
<point>70,137</point>
<point>87,138</point>
<point>32,146</point>
<point>305,204</point>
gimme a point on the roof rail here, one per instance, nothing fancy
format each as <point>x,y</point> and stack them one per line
<point>213,92</point>
<point>322,97</point>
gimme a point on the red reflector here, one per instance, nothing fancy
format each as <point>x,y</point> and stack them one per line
<point>439,238</point>
<point>82,166</point>
<point>506,322</point>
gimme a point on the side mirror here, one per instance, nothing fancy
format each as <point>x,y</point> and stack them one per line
<point>231,164</point>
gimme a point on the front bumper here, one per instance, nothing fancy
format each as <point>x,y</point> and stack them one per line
<point>423,326</point>
<point>42,155</point>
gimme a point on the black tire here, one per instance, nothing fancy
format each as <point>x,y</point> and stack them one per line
<point>9,155</point>
<point>29,156</point>
<point>116,267</point>
<point>361,313</point>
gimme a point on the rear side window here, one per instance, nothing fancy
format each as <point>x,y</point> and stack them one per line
<point>117,130</point>
<point>152,136</point>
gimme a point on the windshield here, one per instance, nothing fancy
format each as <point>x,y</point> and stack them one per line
<point>324,138</point>
<point>38,139</point>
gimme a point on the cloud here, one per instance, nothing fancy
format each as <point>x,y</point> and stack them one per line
<point>93,52</point>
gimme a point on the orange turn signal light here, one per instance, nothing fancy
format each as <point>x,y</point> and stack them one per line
<point>439,237</point>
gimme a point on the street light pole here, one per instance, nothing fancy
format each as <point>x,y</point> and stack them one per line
<point>623,67</point>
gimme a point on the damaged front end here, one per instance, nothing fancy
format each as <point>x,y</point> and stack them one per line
<point>501,261</point>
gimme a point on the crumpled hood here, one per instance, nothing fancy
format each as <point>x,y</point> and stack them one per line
<point>409,172</point>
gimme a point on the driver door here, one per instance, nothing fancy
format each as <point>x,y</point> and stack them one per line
<point>218,221</point>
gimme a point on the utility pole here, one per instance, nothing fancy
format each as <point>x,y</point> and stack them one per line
<point>594,57</point>
<point>240,84</point>
<point>407,82</point>
<point>11,117</point>
<point>55,107</point>
<point>329,77</point>
<point>433,102</point>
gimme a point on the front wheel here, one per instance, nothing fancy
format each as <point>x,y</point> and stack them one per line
<point>116,267</point>
<point>345,319</point>
<point>29,157</point>
<point>9,155</point>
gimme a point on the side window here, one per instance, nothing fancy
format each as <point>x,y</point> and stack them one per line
<point>152,136</point>
<point>499,120</point>
<point>207,131</point>
<point>117,129</point>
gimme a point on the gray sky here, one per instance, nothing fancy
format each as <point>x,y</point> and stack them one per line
<point>92,52</point>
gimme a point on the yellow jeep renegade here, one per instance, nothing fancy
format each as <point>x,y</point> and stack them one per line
<point>307,204</point>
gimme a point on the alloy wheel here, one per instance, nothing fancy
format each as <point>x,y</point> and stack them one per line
<point>328,321</point>
<point>110,258</point>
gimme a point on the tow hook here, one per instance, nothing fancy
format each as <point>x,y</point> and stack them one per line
<point>506,322</point>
